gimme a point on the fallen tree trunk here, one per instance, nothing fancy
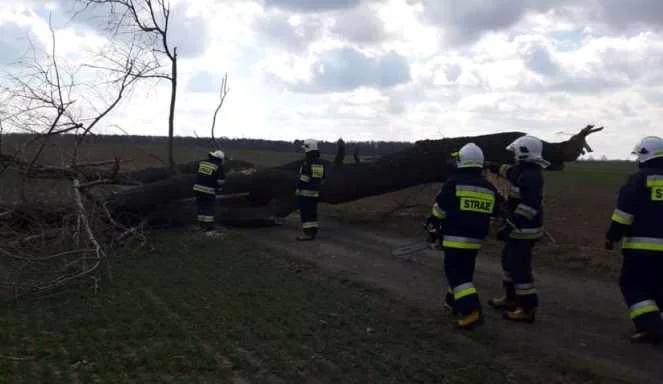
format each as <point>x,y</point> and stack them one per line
<point>270,192</point>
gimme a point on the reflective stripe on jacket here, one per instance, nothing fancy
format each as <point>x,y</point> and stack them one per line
<point>638,217</point>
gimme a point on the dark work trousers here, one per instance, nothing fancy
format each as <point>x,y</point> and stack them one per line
<point>205,204</point>
<point>642,286</point>
<point>518,278</point>
<point>459,268</point>
<point>308,212</point>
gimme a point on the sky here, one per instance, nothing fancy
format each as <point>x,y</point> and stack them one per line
<point>385,70</point>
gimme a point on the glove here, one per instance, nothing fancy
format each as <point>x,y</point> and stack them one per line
<point>493,167</point>
<point>433,229</point>
<point>609,245</point>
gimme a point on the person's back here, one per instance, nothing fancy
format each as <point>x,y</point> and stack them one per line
<point>638,220</point>
<point>461,215</point>
<point>209,180</point>
<point>473,203</point>
<point>645,189</point>
<point>525,203</point>
<point>311,174</point>
<point>523,227</point>
<point>210,171</point>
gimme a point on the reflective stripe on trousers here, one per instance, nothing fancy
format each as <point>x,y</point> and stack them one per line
<point>461,242</point>
<point>525,289</point>
<point>205,219</point>
<point>307,193</point>
<point>464,290</point>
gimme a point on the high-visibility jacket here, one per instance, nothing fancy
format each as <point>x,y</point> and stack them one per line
<point>463,208</point>
<point>311,175</point>
<point>638,218</point>
<point>210,177</point>
<point>524,204</point>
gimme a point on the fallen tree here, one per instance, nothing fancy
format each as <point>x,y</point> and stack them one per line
<point>269,193</point>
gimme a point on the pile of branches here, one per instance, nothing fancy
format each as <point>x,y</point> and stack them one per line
<point>45,248</point>
<point>48,245</point>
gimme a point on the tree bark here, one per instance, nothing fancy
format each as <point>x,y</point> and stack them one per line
<point>171,115</point>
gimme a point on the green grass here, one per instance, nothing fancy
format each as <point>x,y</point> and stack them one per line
<point>195,310</point>
<point>608,176</point>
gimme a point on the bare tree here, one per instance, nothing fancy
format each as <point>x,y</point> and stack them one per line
<point>223,93</point>
<point>49,98</point>
<point>152,19</point>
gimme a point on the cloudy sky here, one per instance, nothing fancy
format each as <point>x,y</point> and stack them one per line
<point>389,70</point>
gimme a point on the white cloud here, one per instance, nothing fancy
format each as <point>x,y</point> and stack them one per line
<point>393,69</point>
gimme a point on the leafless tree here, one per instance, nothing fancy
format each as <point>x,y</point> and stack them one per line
<point>223,93</point>
<point>151,18</point>
<point>50,98</point>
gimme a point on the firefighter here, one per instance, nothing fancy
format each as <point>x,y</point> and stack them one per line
<point>522,228</point>
<point>209,181</point>
<point>461,217</point>
<point>311,175</point>
<point>638,220</point>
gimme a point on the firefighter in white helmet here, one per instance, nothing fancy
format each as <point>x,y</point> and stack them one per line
<point>311,175</point>
<point>209,181</point>
<point>461,219</point>
<point>523,228</point>
<point>638,221</point>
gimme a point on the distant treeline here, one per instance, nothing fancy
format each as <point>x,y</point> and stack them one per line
<point>366,148</point>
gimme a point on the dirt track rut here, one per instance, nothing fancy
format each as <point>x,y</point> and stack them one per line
<point>580,319</point>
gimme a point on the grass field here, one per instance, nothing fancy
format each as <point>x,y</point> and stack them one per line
<point>191,310</point>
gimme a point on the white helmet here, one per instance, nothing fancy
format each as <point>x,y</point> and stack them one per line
<point>649,148</point>
<point>528,149</point>
<point>470,156</point>
<point>218,154</point>
<point>310,145</point>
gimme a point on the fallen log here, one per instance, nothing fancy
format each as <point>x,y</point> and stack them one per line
<point>270,192</point>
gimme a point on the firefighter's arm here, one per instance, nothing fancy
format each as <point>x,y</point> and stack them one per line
<point>531,186</point>
<point>444,201</point>
<point>438,214</point>
<point>624,215</point>
<point>305,173</point>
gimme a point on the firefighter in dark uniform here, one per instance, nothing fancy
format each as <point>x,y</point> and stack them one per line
<point>461,216</point>
<point>638,221</point>
<point>209,181</point>
<point>523,227</point>
<point>311,175</point>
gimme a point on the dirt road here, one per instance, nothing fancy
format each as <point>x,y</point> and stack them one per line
<point>580,320</point>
